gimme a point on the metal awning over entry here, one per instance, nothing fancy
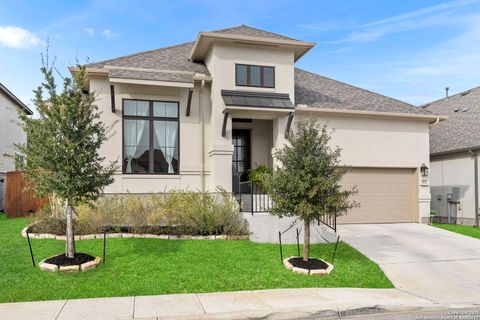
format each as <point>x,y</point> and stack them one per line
<point>256,105</point>
<point>250,99</point>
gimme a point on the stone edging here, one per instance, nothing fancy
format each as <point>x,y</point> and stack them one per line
<point>131,235</point>
<point>314,272</point>
<point>89,265</point>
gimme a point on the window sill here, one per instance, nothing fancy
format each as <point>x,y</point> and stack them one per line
<point>150,176</point>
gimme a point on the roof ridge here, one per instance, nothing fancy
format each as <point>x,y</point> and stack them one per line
<point>139,53</point>
<point>358,88</point>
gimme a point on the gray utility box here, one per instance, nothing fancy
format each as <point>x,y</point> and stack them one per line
<point>454,197</point>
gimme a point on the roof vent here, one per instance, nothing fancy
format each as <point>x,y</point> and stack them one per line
<point>446,91</point>
<point>465,109</point>
<point>465,93</point>
<point>425,105</point>
<point>455,110</point>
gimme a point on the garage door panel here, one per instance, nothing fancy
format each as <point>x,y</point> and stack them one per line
<point>384,194</point>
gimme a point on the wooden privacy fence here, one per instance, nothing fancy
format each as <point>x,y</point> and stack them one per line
<point>21,201</point>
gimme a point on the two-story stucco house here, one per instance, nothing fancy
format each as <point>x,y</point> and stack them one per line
<point>200,114</point>
<point>10,133</point>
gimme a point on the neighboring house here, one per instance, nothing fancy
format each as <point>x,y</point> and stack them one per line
<point>454,145</point>
<point>10,133</point>
<point>197,114</point>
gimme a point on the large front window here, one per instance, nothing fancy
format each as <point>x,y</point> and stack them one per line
<point>150,137</point>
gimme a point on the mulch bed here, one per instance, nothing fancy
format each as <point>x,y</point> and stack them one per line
<point>311,264</point>
<point>61,260</point>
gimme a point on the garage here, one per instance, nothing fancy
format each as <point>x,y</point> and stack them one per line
<point>385,195</point>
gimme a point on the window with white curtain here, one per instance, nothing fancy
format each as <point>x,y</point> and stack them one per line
<point>150,137</point>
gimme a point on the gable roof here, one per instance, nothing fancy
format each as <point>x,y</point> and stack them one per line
<point>461,131</point>
<point>15,100</point>
<point>317,91</point>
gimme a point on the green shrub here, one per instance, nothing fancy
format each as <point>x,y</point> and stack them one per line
<point>259,175</point>
<point>176,212</point>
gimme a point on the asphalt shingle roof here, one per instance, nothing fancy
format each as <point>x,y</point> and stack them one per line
<point>320,92</point>
<point>461,131</point>
<point>244,30</point>
<point>310,89</point>
<point>168,58</point>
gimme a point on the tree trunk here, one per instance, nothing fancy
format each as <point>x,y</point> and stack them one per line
<point>306,240</point>
<point>70,246</point>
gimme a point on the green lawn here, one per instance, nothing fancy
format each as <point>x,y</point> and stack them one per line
<point>458,228</point>
<point>153,266</point>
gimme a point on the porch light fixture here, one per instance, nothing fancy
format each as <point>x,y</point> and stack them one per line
<point>424,170</point>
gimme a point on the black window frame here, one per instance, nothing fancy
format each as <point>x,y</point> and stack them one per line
<point>262,79</point>
<point>150,118</point>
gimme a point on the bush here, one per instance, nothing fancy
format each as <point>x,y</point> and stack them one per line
<point>177,212</point>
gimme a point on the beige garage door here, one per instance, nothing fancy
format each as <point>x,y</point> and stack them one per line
<point>385,195</point>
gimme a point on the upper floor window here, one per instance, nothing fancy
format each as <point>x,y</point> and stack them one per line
<point>150,137</point>
<point>254,76</point>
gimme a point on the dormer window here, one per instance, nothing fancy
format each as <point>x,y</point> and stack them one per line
<point>247,75</point>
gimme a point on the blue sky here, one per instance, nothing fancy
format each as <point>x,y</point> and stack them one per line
<point>409,50</point>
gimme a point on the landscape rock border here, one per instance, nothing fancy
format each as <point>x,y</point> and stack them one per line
<point>132,235</point>
<point>86,266</point>
<point>311,272</point>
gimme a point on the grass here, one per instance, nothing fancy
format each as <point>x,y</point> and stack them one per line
<point>458,228</point>
<point>153,266</point>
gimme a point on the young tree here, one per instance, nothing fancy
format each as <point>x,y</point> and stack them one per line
<point>306,183</point>
<point>63,144</point>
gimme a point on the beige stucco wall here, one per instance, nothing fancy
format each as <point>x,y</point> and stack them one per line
<point>367,141</point>
<point>221,62</point>
<point>454,170</point>
<point>190,139</point>
<point>382,143</point>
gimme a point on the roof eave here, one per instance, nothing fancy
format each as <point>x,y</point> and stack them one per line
<point>459,150</point>
<point>413,116</point>
<point>197,54</point>
<point>15,100</point>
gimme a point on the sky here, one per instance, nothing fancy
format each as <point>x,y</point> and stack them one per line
<point>409,50</point>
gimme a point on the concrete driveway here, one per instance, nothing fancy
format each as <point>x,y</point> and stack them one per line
<point>429,262</point>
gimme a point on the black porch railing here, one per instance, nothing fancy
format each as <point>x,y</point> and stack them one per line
<point>329,220</point>
<point>252,198</point>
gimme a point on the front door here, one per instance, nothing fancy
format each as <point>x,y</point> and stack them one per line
<point>241,156</point>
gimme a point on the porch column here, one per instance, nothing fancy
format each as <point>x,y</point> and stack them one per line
<point>279,125</point>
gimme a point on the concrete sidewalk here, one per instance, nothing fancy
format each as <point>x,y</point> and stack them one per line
<point>272,304</point>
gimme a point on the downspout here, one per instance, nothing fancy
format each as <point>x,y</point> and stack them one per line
<point>200,105</point>
<point>433,124</point>
<point>475,164</point>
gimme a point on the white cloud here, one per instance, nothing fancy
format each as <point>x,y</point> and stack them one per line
<point>15,37</point>
<point>433,16</point>
<point>107,33</point>
<point>90,31</point>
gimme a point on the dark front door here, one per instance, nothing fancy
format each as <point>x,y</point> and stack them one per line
<point>241,156</point>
